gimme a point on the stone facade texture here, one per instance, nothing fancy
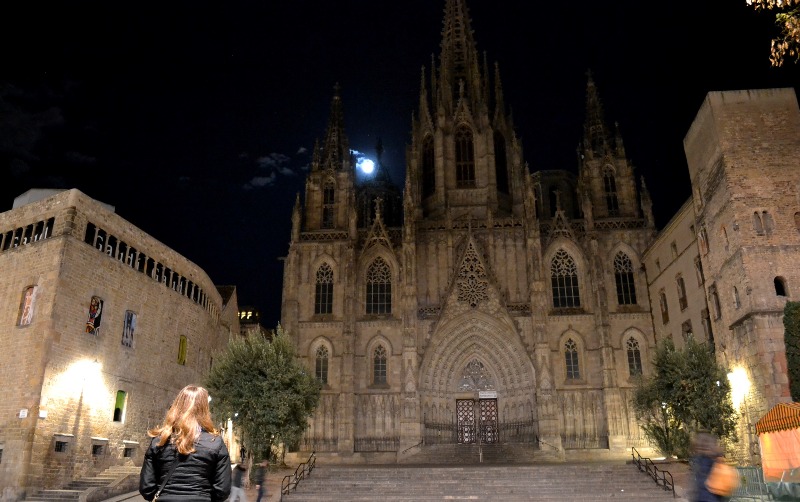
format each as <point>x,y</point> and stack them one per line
<point>63,416</point>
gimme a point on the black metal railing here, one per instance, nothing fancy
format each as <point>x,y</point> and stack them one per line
<point>318,444</point>
<point>303,470</point>
<point>661,477</point>
<point>369,444</point>
<point>501,432</point>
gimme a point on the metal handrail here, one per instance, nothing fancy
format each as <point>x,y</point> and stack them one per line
<point>290,481</point>
<point>660,476</point>
<point>410,447</point>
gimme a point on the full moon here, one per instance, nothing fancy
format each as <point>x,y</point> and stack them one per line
<point>366,165</point>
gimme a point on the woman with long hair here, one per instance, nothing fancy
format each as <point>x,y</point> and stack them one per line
<point>187,459</point>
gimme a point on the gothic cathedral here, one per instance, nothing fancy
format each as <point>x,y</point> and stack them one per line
<point>481,304</point>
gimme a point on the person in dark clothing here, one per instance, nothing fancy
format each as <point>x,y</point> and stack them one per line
<point>187,459</point>
<point>261,479</point>
<point>237,490</point>
<point>705,450</point>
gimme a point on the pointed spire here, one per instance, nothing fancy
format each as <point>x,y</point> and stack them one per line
<point>595,132</point>
<point>335,150</point>
<point>499,100</point>
<point>381,173</point>
<point>316,156</point>
<point>459,56</point>
<point>618,145</point>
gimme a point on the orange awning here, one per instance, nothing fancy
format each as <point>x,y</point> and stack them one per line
<point>782,416</point>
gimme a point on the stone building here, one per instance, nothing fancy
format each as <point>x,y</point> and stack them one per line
<point>101,326</point>
<point>484,304</point>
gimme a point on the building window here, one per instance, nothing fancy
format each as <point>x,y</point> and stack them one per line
<point>682,302</point>
<point>564,281</point>
<point>97,450</point>
<point>610,186</point>
<point>500,163</point>
<point>658,265</point>
<point>119,406</point>
<point>571,360</point>
<point>664,307</point>
<point>702,237</point>
<point>686,330</point>
<point>183,346</point>
<point>428,167</point>
<point>724,232</point>
<point>797,221</point>
<point>323,297</point>
<point>321,367</point>
<point>634,357</point>
<point>26,307</point>
<point>623,274</point>
<point>61,446</point>
<point>379,287</point>
<point>465,158</point>
<point>698,270</point>
<point>674,248</point>
<point>379,365</point>
<point>128,327</point>
<point>95,314</point>
<point>328,205</point>
<point>736,302</point>
<point>780,286</point>
<point>706,322</point>
<point>712,292</point>
<point>1,454</point>
<point>758,225</point>
<point>128,451</point>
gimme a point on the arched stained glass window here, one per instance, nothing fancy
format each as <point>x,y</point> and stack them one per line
<point>623,274</point>
<point>571,360</point>
<point>321,366</point>
<point>379,365</point>
<point>379,287</point>
<point>323,295</point>
<point>564,281</point>
<point>465,158</point>
<point>328,205</point>
<point>634,357</point>
<point>610,186</point>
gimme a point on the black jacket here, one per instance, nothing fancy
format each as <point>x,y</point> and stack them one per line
<point>204,475</point>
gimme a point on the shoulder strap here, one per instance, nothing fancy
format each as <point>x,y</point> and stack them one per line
<point>169,475</point>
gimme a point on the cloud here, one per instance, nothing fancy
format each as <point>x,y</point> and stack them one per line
<point>260,181</point>
<point>79,158</point>
<point>302,150</point>
<point>272,161</point>
<point>286,171</point>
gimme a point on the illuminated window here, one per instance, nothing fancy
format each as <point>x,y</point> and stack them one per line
<point>634,357</point>
<point>26,308</point>
<point>128,327</point>
<point>328,205</point>
<point>183,346</point>
<point>428,167</point>
<point>623,274</point>
<point>465,158</point>
<point>610,186</point>
<point>500,163</point>
<point>379,365</point>
<point>95,314</point>
<point>321,367</point>
<point>323,297</point>
<point>571,360</point>
<point>564,281</point>
<point>379,288</point>
<point>119,406</point>
<point>664,307</point>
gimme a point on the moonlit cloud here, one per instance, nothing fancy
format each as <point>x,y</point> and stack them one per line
<point>260,181</point>
<point>273,161</point>
<point>286,171</point>
<point>302,151</point>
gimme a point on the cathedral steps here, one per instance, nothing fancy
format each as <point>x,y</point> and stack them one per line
<point>509,483</point>
<point>468,454</point>
<point>75,489</point>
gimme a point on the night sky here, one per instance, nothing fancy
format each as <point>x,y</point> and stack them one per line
<point>195,119</point>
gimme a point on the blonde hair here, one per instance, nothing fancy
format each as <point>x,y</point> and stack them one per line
<point>188,415</point>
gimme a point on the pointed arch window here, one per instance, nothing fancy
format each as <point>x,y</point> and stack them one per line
<point>664,307</point>
<point>379,365</point>
<point>712,292</point>
<point>328,205</point>
<point>379,287</point>
<point>500,163</point>
<point>465,158</point>
<point>321,366</point>
<point>623,274</point>
<point>634,357</point>
<point>26,306</point>
<point>571,360</point>
<point>428,167</point>
<point>323,294</point>
<point>564,281</point>
<point>610,187</point>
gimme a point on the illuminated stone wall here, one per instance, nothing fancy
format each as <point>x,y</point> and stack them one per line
<point>65,379</point>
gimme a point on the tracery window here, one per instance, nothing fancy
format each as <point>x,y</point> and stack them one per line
<point>95,315</point>
<point>610,186</point>
<point>500,163</point>
<point>428,167</point>
<point>321,366</point>
<point>26,307</point>
<point>465,158</point>
<point>571,360</point>
<point>634,357</point>
<point>623,274</point>
<point>379,365</point>
<point>664,307</point>
<point>379,287</point>
<point>323,296</point>
<point>328,205</point>
<point>564,281</point>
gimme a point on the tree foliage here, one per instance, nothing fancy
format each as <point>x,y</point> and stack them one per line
<point>791,338</point>
<point>260,384</point>
<point>687,392</point>
<point>788,21</point>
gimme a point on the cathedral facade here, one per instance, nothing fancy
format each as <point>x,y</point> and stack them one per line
<point>483,303</point>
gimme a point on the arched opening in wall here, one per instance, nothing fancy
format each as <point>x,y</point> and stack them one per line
<point>465,158</point>
<point>321,365</point>
<point>610,186</point>
<point>780,286</point>
<point>328,205</point>
<point>501,167</point>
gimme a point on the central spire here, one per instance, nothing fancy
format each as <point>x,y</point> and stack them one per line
<point>335,153</point>
<point>459,57</point>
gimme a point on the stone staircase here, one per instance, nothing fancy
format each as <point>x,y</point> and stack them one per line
<point>76,488</point>
<point>470,454</point>
<point>507,483</point>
